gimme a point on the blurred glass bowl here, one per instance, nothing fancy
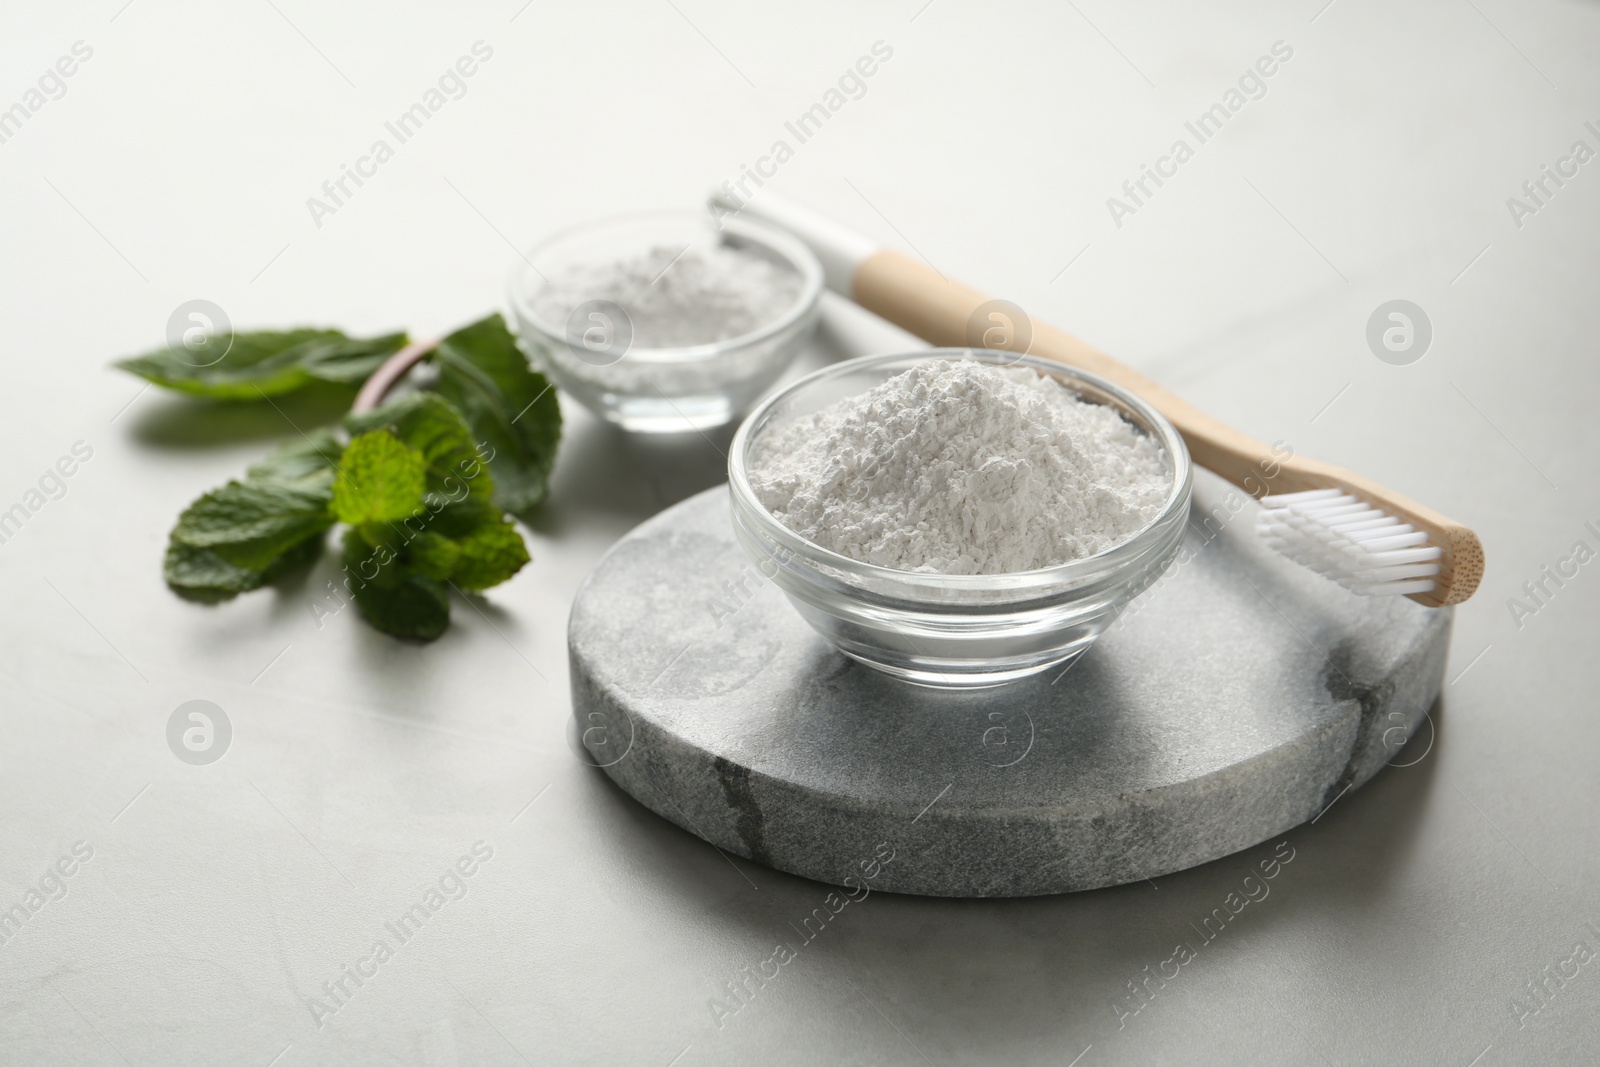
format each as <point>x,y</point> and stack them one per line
<point>659,390</point>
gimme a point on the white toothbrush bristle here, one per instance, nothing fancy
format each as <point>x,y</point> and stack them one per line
<point>1342,537</point>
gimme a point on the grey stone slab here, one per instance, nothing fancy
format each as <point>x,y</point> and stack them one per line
<point>1239,697</point>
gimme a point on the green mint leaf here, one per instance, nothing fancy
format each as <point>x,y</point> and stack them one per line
<point>433,555</point>
<point>457,520</point>
<point>350,361</point>
<point>265,362</point>
<point>245,534</point>
<point>510,407</point>
<point>416,609</point>
<point>383,561</point>
<point>200,574</point>
<point>249,524</point>
<point>380,479</point>
<point>430,424</point>
<point>312,460</point>
<point>395,600</point>
<point>488,556</point>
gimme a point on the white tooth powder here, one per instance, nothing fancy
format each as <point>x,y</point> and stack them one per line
<point>677,297</point>
<point>960,467</point>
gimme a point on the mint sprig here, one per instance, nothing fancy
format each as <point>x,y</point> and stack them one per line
<point>423,486</point>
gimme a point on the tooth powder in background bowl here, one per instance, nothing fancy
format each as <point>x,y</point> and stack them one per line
<point>669,321</point>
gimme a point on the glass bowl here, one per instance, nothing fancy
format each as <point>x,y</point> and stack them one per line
<point>954,630</point>
<point>659,390</point>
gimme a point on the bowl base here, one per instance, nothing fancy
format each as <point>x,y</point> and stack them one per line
<point>932,675</point>
<point>667,414</point>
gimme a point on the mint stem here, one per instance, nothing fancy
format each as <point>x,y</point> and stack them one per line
<point>393,369</point>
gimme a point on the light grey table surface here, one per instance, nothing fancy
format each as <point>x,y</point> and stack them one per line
<point>176,163</point>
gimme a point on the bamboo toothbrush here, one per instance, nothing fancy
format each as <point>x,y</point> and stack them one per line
<point>1366,537</point>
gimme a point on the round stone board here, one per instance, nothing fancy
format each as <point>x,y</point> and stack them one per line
<point>1238,697</point>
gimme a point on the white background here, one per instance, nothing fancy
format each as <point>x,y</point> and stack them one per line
<point>178,164</point>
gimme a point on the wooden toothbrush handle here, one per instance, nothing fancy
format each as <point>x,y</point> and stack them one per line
<point>919,299</point>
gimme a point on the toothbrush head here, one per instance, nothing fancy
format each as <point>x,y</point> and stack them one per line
<point>1357,544</point>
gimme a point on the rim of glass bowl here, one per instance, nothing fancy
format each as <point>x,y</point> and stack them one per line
<point>1040,580</point>
<point>805,263</point>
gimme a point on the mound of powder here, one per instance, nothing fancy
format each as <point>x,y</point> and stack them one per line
<point>960,467</point>
<point>676,297</point>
